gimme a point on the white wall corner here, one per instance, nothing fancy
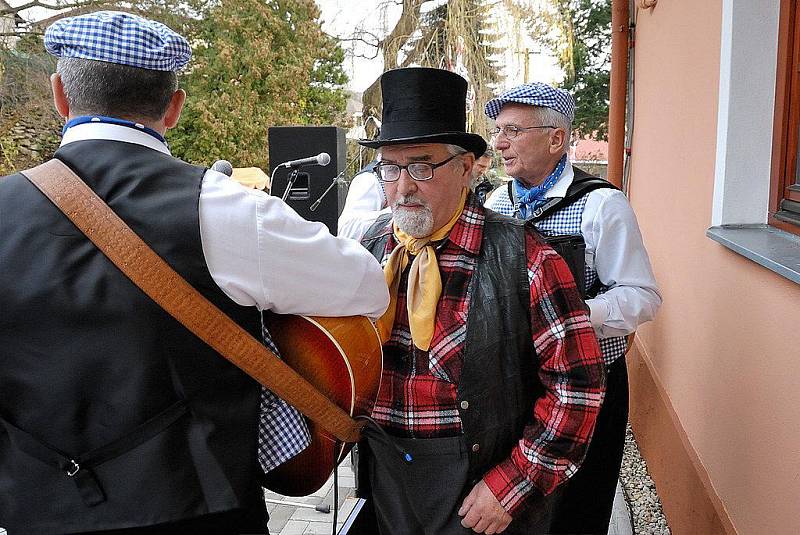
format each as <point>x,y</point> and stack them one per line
<point>748,57</point>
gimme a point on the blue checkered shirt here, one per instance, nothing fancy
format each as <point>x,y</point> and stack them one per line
<point>566,221</point>
<point>282,431</point>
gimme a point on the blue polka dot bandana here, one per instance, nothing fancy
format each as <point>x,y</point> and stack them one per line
<point>116,37</point>
<point>535,94</point>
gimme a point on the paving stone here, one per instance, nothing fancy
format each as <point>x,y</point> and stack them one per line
<point>294,527</point>
<point>323,490</point>
<point>279,517</point>
<point>347,480</point>
<point>272,495</point>
<point>318,528</point>
<point>311,515</point>
<point>620,515</point>
<point>346,508</point>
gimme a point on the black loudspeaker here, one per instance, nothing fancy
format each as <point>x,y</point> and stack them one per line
<point>295,142</point>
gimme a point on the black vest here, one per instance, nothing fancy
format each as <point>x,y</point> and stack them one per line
<point>88,361</point>
<point>498,383</point>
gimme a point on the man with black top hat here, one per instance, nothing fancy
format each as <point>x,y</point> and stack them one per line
<point>113,416</point>
<point>533,126</point>
<point>492,375</point>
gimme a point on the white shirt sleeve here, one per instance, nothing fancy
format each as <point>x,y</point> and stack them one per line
<point>261,253</point>
<point>365,202</point>
<point>615,248</point>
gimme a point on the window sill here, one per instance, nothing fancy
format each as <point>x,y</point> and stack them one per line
<point>775,249</point>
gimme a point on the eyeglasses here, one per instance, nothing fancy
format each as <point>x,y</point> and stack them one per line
<point>420,171</point>
<point>511,131</point>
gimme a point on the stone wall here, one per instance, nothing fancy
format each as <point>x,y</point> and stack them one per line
<point>29,136</point>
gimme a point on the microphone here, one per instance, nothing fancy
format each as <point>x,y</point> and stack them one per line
<point>323,159</point>
<point>223,166</point>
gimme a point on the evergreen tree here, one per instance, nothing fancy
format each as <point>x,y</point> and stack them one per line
<point>256,64</point>
<point>579,33</point>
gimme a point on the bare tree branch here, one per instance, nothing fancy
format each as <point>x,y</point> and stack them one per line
<point>420,47</point>
<point>20,34</point>
<point>402,31</point>
<point>87,7</point>
<point>389,47</point>
<point>359,38</point>
<point>45,5</point>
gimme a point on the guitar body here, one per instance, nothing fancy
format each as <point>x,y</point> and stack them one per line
<point>343,359</point>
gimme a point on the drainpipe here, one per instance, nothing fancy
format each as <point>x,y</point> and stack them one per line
<point>620,16</point>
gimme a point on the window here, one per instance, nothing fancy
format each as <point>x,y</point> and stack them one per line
<point>784,207</point>
<point>758,134</point>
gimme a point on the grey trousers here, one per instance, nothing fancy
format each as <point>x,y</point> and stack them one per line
<point>423,497</point>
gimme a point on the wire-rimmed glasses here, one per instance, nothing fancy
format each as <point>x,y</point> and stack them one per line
<point>511,131</point>
<point>420,171</point>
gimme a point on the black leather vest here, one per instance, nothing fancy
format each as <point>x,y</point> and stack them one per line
<point>87,361</point>
<point>498,383</point>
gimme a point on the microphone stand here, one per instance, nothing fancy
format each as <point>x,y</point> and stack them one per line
<point>335,180</point>
<point>290,182</point>
<point>314,206</point>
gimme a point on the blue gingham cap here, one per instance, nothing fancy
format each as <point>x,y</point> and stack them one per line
<point>535,94</point>
<point>117,37</point>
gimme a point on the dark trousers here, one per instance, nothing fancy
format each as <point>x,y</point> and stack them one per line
<point>589,495</point>
<point>239,521</point>
<point>423,497</point>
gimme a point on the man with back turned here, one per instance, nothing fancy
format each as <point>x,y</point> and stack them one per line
<point>113,416</point>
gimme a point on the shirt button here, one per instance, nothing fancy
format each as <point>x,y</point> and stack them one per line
<point>476,448</point>
<point>465,404</point>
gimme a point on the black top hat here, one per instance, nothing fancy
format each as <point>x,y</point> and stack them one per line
<point>422,105</point>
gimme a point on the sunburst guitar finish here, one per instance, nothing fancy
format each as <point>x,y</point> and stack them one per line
<point>343,359</point>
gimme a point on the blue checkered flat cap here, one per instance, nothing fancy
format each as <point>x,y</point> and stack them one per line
<point>116,37</point>
<point>535,94</point>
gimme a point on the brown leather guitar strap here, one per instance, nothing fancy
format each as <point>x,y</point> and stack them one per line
<point>171,291</point>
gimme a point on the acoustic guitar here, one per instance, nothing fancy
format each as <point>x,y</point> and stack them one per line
<point>343,359</point>
<point>340,358</point>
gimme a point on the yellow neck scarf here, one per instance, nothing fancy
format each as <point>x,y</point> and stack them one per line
<point>424,281</point>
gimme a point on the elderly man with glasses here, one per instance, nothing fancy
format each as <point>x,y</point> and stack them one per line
<point>492,374</point>
<point>533,125</point>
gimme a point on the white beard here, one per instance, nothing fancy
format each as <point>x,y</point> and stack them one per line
<point>418,222</point>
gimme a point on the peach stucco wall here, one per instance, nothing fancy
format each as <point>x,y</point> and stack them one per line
<point>726,343</point>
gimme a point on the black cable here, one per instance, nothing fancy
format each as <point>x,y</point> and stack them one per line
<point>372,424</point>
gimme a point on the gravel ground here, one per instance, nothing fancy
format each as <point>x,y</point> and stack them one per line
<point>647,517</point>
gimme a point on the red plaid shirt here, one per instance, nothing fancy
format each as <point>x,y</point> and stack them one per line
<point>417,396</point>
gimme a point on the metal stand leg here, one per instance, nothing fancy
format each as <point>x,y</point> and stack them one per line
<point>322,508</point>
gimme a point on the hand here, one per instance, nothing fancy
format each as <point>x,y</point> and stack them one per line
<point>482,512</point>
